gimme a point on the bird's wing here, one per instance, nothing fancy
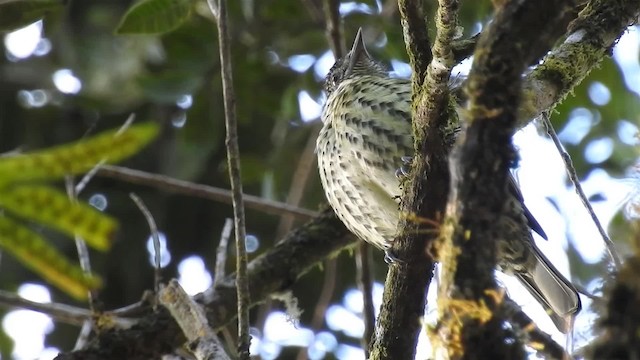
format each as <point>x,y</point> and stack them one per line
<point>533,223</point>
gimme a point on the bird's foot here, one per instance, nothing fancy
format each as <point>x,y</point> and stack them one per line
<point>405,169</point>
<point>390,258</point>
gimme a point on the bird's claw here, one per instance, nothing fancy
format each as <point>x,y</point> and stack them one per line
<point>406,160</point>
<point>405,169</point>
<point>390,258</point>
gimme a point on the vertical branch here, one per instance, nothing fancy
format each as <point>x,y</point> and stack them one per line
<point>365,284</point>
<point>424,197</point>
<point>233,160</point>
<point>81,247</point>
<point>470,319</point>
<point>157,248</point>
<point>416,38</point>
<point>333,27</point>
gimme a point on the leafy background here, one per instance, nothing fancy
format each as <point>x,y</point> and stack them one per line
<point>170,75</point>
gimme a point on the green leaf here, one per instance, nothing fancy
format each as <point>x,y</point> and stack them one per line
<point>53,208</point>
<point>77,157</point>
<point>34,252</point>
<point>20,13</point>
<point>154,17</point>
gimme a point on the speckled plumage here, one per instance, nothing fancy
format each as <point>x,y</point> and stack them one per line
<point>366,131</point>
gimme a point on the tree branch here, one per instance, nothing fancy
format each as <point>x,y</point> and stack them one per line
<point>274,271</point>
<point>425,196</point>
<point>469,297</point>
<point>416,38</point>
<point>590,39</point>
<point>233,160</point>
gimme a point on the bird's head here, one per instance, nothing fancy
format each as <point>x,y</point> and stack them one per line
<point>357,62</point>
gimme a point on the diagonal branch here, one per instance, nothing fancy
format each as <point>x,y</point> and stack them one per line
<point>590,39</point>
<point>274,271</point>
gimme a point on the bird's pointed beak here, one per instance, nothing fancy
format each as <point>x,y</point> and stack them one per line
<point>358,52</point>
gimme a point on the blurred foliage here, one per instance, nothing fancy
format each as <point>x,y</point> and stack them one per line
<point>16,14</point>
<point>173,78</point>
<point>154,17</point>
<point>50,207</point>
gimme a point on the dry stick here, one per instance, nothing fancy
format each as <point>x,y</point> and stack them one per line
<point>153,228</point>
<point>221,252</point>
<point>83,336</point>
<point>573,176</point>
<point>233,159</point>
<point>167,183</point>
<point>202,340</point>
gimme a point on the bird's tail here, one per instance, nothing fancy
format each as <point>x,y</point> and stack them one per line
<point>556,294</point>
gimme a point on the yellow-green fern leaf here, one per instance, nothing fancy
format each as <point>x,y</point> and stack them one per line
<point>33,251</point>
<point>52,208</point>
<point>76,157</point>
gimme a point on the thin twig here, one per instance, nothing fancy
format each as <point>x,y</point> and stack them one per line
<point>126,125</point>
<point>573,176</point>
<point>83,336</point>
<point>315,12</point>
<point>299,181</point>
<point>324,300</point>
<point>365,284</point>
<point>233,160</point>
<point>135,309</point>
<point>221,252</point>
<point>64,313</point>
<point>167,183</point>
<point>157,248</point>
<point>81,246</point>
<point>333,32</point>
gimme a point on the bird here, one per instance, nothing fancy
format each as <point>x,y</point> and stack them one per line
<point>365,137</point>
